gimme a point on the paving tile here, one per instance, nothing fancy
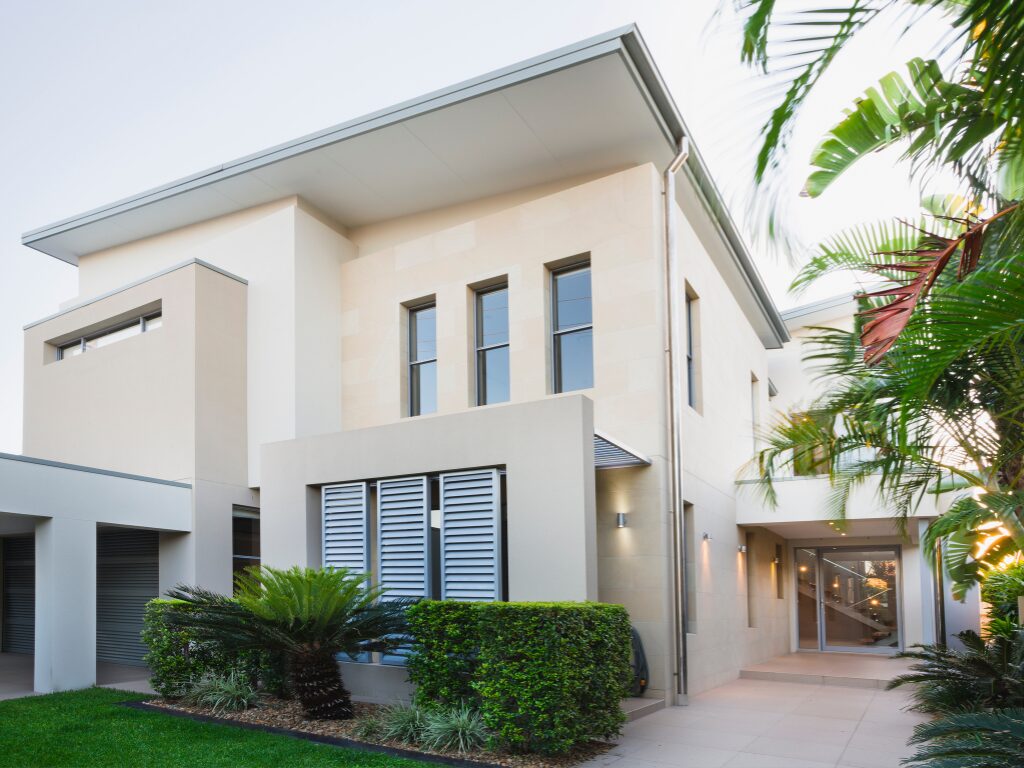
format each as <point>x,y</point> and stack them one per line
<point>717,738</point>
<point>683,755</point>
<point>801,750</point>
<point>857,757</point>
<point>892,745</point>
<point>842,710</point>
<point>750,760</point>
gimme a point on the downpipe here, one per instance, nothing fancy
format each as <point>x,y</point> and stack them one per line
<point>673,337</point>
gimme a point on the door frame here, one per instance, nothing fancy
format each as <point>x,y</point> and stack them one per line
<point>820,603</point>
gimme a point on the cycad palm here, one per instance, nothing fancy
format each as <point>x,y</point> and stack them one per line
<point>308,615</point>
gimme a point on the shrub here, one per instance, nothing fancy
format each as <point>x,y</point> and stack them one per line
<point>546,676</point>
<point>402,723</point>
<point>178,660</point>
<point>454,729</point>
<point>445,651</point>
<point>1000,589</point>
<point>223,693</point>
<point>987,673</point>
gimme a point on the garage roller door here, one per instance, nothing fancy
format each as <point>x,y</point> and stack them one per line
<point>19,595</point>
<point>127,577</point>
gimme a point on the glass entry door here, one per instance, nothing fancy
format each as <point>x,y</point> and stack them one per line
<point>848,599</point>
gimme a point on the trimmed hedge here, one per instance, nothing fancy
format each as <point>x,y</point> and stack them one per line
<point>546,676</point>
<point>177,660</point>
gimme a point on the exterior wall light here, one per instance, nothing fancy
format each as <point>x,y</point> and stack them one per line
<point>742,549</point>
<point>621,520</point>
<point>706,536</point>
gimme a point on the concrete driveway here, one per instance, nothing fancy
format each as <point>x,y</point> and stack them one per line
<point>771,724</point>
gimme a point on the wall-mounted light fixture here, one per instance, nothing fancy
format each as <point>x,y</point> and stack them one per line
<point>706,536</point>
<point>777,560</point>
<point>742,549</point>
<point>621,519</point>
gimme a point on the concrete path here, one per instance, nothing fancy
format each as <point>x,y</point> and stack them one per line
<point>771,724</point>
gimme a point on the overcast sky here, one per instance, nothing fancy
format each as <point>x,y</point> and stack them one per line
<point>104,99</point>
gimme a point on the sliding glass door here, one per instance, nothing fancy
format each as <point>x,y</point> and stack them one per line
<point>848,599</point>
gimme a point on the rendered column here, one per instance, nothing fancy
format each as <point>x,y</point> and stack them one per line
<point>65,657</point>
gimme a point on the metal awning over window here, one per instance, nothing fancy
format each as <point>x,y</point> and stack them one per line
<point>611,454</point>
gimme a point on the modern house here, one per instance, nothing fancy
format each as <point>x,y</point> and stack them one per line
<point>503,341</point>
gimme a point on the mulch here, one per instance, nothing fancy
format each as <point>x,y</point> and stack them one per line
<point>285,717</point>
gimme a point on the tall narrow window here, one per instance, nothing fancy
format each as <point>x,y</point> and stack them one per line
<point>422,360</point>
<point>755,410</point>
<point>573,329</point>
<point>492,369</point>
<point>245,538</point>
<point>692,367</point>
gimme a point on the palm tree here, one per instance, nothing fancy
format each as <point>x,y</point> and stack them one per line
<point>927,394</point>
<point>308,615</point>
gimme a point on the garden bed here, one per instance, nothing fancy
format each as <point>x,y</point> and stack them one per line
<point>282,715</point>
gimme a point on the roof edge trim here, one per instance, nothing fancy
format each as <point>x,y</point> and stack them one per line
<point>134,283</point>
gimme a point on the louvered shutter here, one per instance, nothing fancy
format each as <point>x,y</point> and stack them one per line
<point>18,622</point>
<point>403,536</point>
<point>403,543</point>
<point>346,526</point>
<point>471,536</point>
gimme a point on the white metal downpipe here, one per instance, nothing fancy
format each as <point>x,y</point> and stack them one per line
<point>673,337</point>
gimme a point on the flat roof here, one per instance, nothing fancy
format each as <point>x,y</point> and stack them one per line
<point>597,105</point>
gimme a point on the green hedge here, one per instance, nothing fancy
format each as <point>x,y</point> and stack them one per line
<point>176,659</point>
<point>547,676</point>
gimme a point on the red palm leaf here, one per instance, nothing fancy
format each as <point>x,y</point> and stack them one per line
<point>923,266</point>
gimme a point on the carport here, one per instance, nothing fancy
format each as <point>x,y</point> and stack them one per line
<point>80,557</point>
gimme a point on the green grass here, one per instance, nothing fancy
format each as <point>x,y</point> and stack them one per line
<point>82,729</point>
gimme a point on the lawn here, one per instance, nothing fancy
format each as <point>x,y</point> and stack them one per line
<point>87,728</point>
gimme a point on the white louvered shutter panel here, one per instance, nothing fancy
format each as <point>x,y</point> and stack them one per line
<point>346,527</point>
<point>403,536</point>
<point>471,536</point>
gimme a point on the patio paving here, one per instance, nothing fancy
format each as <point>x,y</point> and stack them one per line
<point>771,724</point>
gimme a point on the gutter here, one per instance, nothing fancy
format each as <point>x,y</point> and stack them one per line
<point>673,337</point>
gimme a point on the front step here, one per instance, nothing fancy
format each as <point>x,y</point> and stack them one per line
<point>636,707</point>
<point>852,670</point>
<point>793,677</point>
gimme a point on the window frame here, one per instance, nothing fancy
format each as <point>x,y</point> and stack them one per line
<point>556,333</point>
<point>82,341</point>
<point>246,513</point>
<point>415,408</point>
<point>478,343</point>
<point>691,358</point>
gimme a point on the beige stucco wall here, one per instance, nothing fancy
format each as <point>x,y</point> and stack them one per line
<point>169,404</point>
<point>718,439</point>
<point>290,256</point>
<point>545,446</point>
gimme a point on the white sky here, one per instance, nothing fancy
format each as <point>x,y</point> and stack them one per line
<point>104,99</point>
